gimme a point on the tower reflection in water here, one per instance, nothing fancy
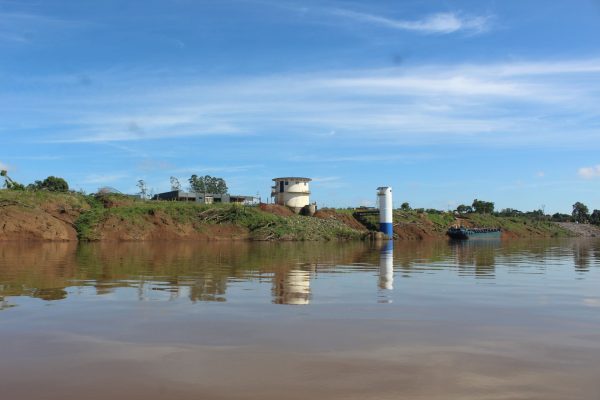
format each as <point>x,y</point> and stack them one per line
<point>386,272</point>
<point>293,286</point>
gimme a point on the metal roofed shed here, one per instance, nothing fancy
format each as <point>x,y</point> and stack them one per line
<point>208,198</point>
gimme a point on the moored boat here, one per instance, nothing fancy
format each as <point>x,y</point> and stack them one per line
<point>463,233</point>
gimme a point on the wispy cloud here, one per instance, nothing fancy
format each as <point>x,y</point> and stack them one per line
<point>440,23</point>
<point>434,23</point>
<point>149,165</point>
<point>38,158</point>
<point>589,172</point>
<point>21,27</point>
<point>513,104</point>
<point>364,158</point>
<point>103,178</point>
<point>326,179</point>
<point>329,182</point>
<point>204,169</point>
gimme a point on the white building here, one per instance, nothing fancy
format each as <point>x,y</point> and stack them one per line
<point>292,192</point>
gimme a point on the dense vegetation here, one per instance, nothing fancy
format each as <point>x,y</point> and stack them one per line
<point>435,222</point>
<point>260,225</point>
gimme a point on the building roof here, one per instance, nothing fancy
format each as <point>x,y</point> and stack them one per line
<point>293,178</point>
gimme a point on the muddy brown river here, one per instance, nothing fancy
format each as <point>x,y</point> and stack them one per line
<point>433,320</point>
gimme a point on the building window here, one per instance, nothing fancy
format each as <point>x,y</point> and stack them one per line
<point>286,183</point>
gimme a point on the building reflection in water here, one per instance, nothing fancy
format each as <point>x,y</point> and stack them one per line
<point>293,286</point>
<point>386,271</point>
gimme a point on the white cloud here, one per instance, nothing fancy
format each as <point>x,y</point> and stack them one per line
<point>520,104</point>
<point>422,85</point>
<point>325,179</point>
<point>103,178</point>
<point>589,172</point>
<point>440,23</point>
<point>19,27</point>
<point>203,169</point>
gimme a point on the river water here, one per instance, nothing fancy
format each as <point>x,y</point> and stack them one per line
<point>417,320</point>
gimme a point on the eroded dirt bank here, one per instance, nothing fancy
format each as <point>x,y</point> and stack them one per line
<point>71,216</point>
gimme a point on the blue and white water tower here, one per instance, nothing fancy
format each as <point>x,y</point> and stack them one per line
<point>384,197</point>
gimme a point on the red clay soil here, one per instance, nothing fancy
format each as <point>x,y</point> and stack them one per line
<point>62,211</point>
<point>276,209</point>
<point>413,231</point>
<point>18,223</point>
<point>113,202</point>
<point>346,219</point>
<point>162,227</point>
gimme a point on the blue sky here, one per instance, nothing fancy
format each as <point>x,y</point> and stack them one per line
<point>445,101</point>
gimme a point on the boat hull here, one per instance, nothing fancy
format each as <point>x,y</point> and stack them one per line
<point>476,233</point>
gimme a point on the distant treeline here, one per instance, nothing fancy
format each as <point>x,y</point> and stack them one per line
<point>51,183</point>
<point>580,212</point>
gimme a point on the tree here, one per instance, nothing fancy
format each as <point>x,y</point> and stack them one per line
<point>483,207</point>
<point>175,185</point>
<point>509,212</point>
<point>207,184</point>
<point>580,212</point>
<point>464,209</point>
<point>595,217</point>
<point>536,214</point>
<point>405,206</point>
<point>9,183</point>
<point>558,217</point>
<point>143,189</point>
<point>51,184</point>
<point>196,184</point>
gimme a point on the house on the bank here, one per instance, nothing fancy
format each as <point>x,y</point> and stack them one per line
<point>208,198</point>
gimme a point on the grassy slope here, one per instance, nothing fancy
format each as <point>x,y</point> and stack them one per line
<point>261,225</point>
<point>519,226</point>
<point>437,224</point>
<point>41,199</point>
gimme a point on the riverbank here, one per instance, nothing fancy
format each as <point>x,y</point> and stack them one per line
<point>72,216</point>
<point>583,230</point>
<point>418,225</point>
<point>48,216</point>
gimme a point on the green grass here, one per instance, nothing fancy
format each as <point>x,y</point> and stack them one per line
<point>261,225</point>
<point>138,214</point>
<point>522,226</point>
<point>438,223</point>
<point>39,198</point>
<point>266,226</point>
